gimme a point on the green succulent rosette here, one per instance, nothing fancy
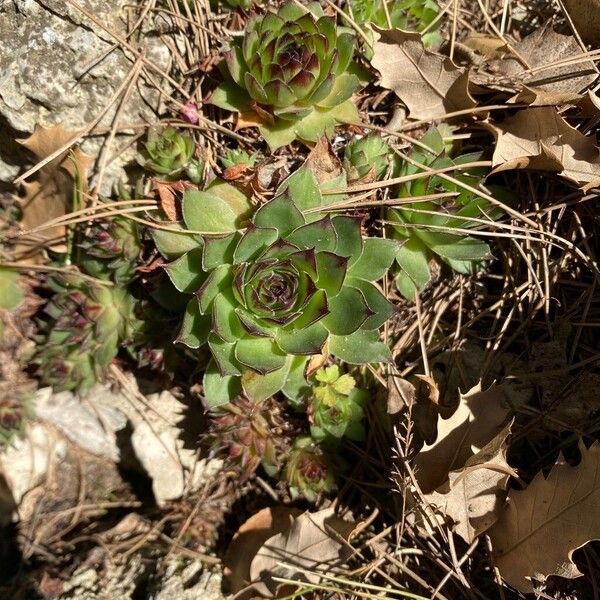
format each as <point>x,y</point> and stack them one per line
<point>425,227</point>
<point>170,155</point>
<point>366,159</point>
<point>294,70</point>
<point>86,325</point>
<point>309,471</point>
<point>234,158</point>
<point>293,282</point>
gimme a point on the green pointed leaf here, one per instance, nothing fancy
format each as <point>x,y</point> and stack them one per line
<point>230,96</point>
<point>172,244</point>
<point>309,340</point>
<point>303,189</point>
<point>260,354</point>
<point>279,134</point>
<point>219,390</point>
<point>252,325</point>
<point>255,240</point>
<point>280,213</point>
<point>350,242</point>
<point>412,257</point>
<point>319,122</point>
<point>319,235</point>
<point>218,250</point>
<point>225,322</point>
<point>296,387</point>
<point>260,387</point>
<point>382,308</point>
<point>186,272</point>
<point>343,87</point>
<point>11,294</point>
<point>331,272</point>
<point>315,310</point>
<point>348,311</point>
<point>377,256</point>
<point>346,112</point>
<point>217,281</point>
<point>224,355</point>
<point>195,327</point>
<point>207,213</point>
<point>463,249</point>
<point>359,348</point>
<point>233,197</point>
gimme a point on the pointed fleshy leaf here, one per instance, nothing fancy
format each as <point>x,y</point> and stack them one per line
<point>260,387</point>
<point>216,281</point>
<point>331,272</point>
<point>359,348</point>
<point>315,310</point>
<point>224,356</point>
<point>280,213</point>
<point>309,340</point>
<point>230,96</point>
<point>225,321</point>
<point>172,244</point>
<point>278,134</point>
<point>233,197</point>
<point>319,235</point>
<point>412,257</point>
<point>347,312</point>
<point>219,390</point>
<point>186,273</point>
<point>319,122</point>
<point>260,354</point>
<point>382,308</point>
<point>279,94</point>
<point>345,46</point>
<point>207,213</point>
<point>377,256</point>
<point>252,325</point>
<point>254,88</point>
<point>343,87</point>
<point>350,241</point>
<point>195,327</point>
<point>236,65</point>
<point>218,250</point>
<point>296,388</point>
<point>255,240</point>
<point>291,11</point>
<point>303,189</point>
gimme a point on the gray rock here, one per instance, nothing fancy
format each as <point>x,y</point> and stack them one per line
<point>46,53</point>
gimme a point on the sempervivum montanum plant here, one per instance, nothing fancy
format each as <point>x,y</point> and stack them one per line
<point>366,159</point>
<point>87,323</point>
<point>170,155</point>
<point>309,471</point>
<point>293,69</point>
<point>425,227</point>
<point>293,283</point>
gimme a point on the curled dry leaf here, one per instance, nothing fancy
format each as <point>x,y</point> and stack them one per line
<point>323,162</point>
<point>249,539</point>
<point>464,472</point>
<point>314,542</point>
<point>430,84</point>
<point>50,195</point>
<point>541,526</point>
<point>547,84</point>
<point>539,138</point>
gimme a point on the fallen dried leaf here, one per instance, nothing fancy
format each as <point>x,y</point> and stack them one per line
<point>541,526</point>
<point>167,196</point>
<point>539,138</point>
<point>430,84</point>
<point>323,162</point>
<point>312,543</point>
<point>586,18</point>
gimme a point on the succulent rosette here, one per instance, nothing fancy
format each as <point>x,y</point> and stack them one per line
<point>87,323</point>
<point>294,282</point>
<point>425,228</point>
<point>366,159</point>
<point>309,471</point>
<point>294,70</point>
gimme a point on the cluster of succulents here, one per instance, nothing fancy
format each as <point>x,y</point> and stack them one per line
<point>296,281</point>
<point>412,15</point>
<point>86,323</point>
<point>425,228</point>
<point>294,70</point>
<point>366,159</point>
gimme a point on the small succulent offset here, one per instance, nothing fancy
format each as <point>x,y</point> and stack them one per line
<point>237,157</point>
<point>425,227</point>
<point>15,410</point>
<point>410,15</point>
<point>366,159</point>
<point>170,155</point>
<point>308,471</point>
<point>335,411</point>
<point>294,70</point>
<point>296,281</point>
<point>87,323</point>
<point>249,435</point>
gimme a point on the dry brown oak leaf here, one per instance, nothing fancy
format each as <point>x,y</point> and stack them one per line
<point>540,139</point>
<point>430,84</point>
<point>464,473</point>
<point>541,526</point>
